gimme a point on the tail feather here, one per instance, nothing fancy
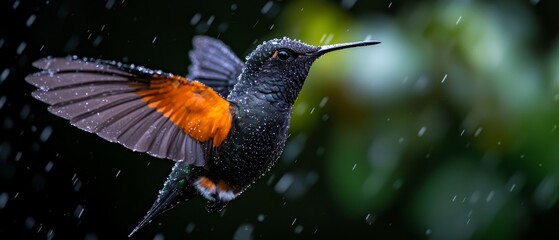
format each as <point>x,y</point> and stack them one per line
<point>177,188</point>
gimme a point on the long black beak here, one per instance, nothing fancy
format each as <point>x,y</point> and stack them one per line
<point>334,47</point>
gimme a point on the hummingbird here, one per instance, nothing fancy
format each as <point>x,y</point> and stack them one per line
<point>225,124</point>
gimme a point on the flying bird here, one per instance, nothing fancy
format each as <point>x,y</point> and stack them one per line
<point>224,125</point>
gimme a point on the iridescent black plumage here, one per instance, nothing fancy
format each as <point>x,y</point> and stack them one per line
<point>122,103</point>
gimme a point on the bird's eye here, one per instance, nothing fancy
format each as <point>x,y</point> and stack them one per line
<point>282,54</point>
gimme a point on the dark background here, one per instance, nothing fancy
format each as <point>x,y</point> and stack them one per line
<point>447,130</point>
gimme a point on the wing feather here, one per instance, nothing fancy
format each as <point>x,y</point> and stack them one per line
<point>214,64</point>
<point>145,110</point>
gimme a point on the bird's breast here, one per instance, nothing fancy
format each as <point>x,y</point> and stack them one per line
<point>254,144</point>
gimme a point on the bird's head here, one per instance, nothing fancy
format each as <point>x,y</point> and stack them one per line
<point>278,68</point>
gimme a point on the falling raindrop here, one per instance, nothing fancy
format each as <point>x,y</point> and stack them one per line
<point>154,38</point>
<point>195,19</point>
<point>29,222</point>
<point>16,4</point>
<point>25,111</point>
<point>284,183</point>
<point>49,166</point>
<point>5,149</point>
<point>30,20</point>
<point>271,179</point>
<point>266,8</point>
<point>117,173</point>
<point>478,131</point>
<point>490,196</point>
<point>323,102</point>
<point>97,40</point>
<point>45,134</point>
<point>294,148</point>
<point>109,4</point>
<point>159,236</point>
<point>4,74</point>
<point>190,228</point>
<point>298,229</point>
<point>370,219</point>
<point>244,232</point>
<point>444,78</point>
<point>21,48</point>
<point>326,38</point>
<point>421,131</point>
<point>78,211</point>
<point>210,20</point>
<point>3,200</point>
<point>458,21</point>
<point>428,231</point>
<point>256,23</point>
<point>50,234</point>
<point>348,4</point>
<point>77,183</point>
<point>261,217</point>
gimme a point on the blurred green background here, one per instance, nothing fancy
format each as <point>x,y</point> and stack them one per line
<point>446,130</point>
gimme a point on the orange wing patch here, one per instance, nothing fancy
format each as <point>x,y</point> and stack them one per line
<point>191,105</point>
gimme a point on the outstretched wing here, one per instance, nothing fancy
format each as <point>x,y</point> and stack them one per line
<point>214,64</point>
<point>147,111</point>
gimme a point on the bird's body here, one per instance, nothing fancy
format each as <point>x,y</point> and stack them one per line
<point>225,125</point>
<point>259,133</point>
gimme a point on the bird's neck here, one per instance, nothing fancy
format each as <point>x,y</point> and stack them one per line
<point>277,92</point>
